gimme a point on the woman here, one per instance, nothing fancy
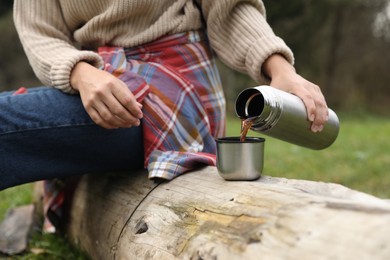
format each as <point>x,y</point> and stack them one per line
<point>133,83</point>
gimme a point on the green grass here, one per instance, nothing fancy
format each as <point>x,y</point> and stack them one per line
<point>17,196</point>
<point>359,159</point>
<point>50,247</point>
<point>41,246</point>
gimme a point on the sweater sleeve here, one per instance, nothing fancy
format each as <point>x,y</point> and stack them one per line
<point>241,37</point>
<point>47,42</point>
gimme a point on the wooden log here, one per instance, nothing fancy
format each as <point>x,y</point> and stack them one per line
<point>201,216</point>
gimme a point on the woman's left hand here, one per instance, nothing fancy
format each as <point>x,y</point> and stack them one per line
<point>284,77</point>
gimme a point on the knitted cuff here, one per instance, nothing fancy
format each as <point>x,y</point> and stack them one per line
<point>259,53</point>
<point>62,68</point>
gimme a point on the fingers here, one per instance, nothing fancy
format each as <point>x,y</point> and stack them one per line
<point>115,113</point>
<point>95,116</point>
<point>315,103</point>
<point>109,118</point>
<point>283,76</point>
<point>110,103</point>
<point>118,108</point>
<point>309,93</point>
<point>129,107</point>
<point>321,113</point>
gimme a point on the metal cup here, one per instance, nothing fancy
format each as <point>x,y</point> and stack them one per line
<point>237,160</point>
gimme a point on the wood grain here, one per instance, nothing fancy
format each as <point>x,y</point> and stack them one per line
<point>201,216</point>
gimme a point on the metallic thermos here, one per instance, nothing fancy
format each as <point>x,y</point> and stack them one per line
<point>283,116</point>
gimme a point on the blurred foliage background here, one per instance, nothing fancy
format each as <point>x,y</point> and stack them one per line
<point>341,45</point>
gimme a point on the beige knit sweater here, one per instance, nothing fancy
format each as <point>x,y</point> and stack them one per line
<point>50,29</point>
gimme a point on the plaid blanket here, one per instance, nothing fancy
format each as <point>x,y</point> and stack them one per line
<point>176,80</point>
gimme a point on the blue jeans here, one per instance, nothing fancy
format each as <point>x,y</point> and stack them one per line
<point>47,134</point>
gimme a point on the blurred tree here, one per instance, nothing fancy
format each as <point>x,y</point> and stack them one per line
<point>14,66</point>
<point>5,6</point>
<point>335,46</point>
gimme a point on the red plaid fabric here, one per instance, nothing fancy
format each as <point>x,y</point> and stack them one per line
<point>176,80</point>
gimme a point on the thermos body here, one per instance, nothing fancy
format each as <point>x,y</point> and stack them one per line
<point>283,116</point>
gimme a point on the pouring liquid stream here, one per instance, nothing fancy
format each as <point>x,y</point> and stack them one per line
<point>246,124</point>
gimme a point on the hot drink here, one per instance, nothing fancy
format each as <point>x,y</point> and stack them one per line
<point>238,160</point>
<point>246,124</point>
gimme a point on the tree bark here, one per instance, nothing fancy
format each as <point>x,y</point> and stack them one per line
<point>201,216</point>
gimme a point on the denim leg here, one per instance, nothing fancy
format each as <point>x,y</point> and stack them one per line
<point>47,134</point>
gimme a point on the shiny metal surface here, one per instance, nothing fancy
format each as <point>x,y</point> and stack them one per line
<point>238,160</point>
<point>283,116</point>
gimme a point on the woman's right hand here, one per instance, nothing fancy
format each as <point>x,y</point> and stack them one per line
<point>107,99</point>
